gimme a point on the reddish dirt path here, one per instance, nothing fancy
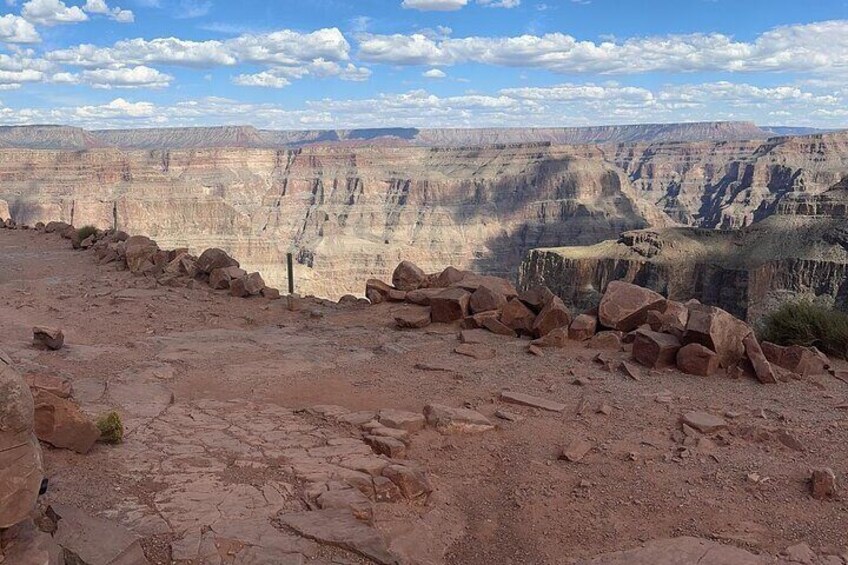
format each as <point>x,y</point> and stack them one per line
<point>502,496</point>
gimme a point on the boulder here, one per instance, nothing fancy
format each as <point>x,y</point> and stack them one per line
<point>477,320</point>
<point>413,483</point>
<point>718,330</point>
<point>609,339</point>
<point>422,296</point>
<point>583,327</point>
<point>183,264</point>
<point>654,349</point>
<point>494,325</point>
<point>62,424</point>
<point>248,285</point>
<point>552,316</point>
<point>448,277</point>
<point>624,306</point>
<point>450,305</point>
<point>762,367</point>
<point>557,338</point>
<point>376,290</point>
<point>518,317</point>
<point>89,540</point>
<point>214,258</point>
<point>51,338</point>
<point>473,281</point>
<point>21,468</point>
<point>413,317</point>
<point>536,298</point>
<point>804,361</point>
<point>220,279</point>
<point>485,299</point>
<point>448,420</point>
<point>695,359</point>
<point>407,276</point>
<point>270,293</point>
<point>140,252</point>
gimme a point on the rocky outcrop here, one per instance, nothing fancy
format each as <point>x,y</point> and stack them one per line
<point>746,272</point>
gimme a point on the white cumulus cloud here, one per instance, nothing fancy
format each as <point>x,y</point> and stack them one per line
<point>15,29</point>
<point>52,12</point>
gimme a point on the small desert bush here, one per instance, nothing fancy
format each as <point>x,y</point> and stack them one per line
<point>111,428</point>
<point>808,324</point>
<point>86,231</point>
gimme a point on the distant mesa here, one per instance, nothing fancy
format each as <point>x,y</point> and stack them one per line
<point>73,138</point>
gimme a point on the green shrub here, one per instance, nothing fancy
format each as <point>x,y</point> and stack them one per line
<point>805,323</point>
<point>111,428</point>
<point>86,231</point>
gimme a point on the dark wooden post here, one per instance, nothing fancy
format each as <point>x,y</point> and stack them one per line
<point>290,261</point>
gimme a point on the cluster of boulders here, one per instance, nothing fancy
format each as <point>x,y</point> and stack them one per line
<point>696,338</point>
<point>176,267</point>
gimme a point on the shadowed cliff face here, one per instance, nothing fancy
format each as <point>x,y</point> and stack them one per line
<point>346,214</point>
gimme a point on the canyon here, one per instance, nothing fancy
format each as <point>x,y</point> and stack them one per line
<point>350,205</point>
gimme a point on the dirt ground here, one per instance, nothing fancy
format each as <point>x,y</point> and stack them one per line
<point>212,388</point>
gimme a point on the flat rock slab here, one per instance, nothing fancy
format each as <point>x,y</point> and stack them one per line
<point>532,401</point>
<point>476,351</point>
<point>95,541</point>
<point>704,422</point>
<point>448,420</point>
<point>679,551</point>
<point>339,528</point>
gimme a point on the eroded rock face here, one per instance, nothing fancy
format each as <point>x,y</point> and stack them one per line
<point>21,468</point>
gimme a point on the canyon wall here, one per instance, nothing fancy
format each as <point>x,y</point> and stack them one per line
<point>346,214</point>
<point>351,212</point>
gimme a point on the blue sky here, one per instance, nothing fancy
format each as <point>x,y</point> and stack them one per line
<point>449,63</point>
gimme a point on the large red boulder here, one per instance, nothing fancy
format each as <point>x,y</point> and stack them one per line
<point>450,305</point>
<point>695,359</point>
<point>552,316</point>
<point>485,299</point>
<point>518,317</point>
<point>624,306</point>
<point>583,327</point>
<point>407,276</point>
<point>718,330</point>
<point>61,423</point>
<point>214,258</point>
<point>654,349</point>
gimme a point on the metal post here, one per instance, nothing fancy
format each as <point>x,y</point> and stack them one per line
<point>290,261</point>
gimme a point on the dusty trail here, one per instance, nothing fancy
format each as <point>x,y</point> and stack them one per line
<point>212,389</point>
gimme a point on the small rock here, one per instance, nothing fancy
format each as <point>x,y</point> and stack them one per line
<point>604,409</point>
<point>401,419</point>
<point>575,450</point>
<point>535,350</point>
<point>532,401</point>
<point>62,424</point>
<point>508,416</point>
<point>448,420</point>
<point>630,370</point>
<point>51,338</point>
<point>413,484</point>
<point>475,351</point>
<point>800,553</point>
<point>823,483</point>
<point>388,446</point>
<point>704,422</point>
<point>696,359</point>
<point>654,349</point>
<point>407,276</point>
<point>558,338</point>
<point>248,285</point>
